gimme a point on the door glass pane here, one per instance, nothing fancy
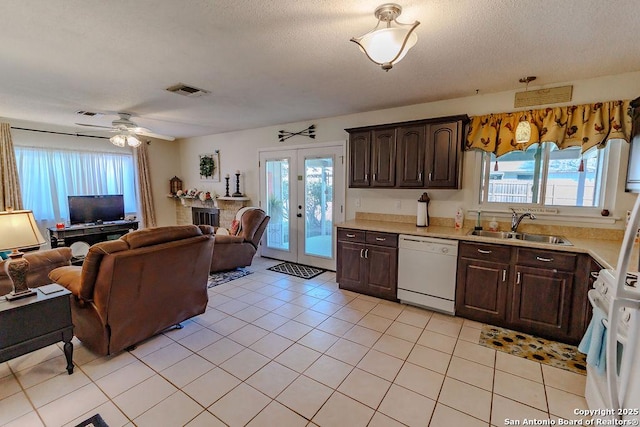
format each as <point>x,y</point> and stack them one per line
<point>318,206</point>
<point>569,183</point>
<point>515,177</point>
<point>277,185</point>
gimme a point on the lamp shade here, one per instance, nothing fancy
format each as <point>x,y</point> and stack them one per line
<point>133,141</point>
<point>523,132</point>
<point>118,140</point>
<point>18,229</point>
<point>386,45</point>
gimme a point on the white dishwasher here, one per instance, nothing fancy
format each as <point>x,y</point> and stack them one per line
<point>427,272</point>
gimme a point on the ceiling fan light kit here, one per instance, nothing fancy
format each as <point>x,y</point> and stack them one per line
<point>127,131</point>
<point>386,46</point>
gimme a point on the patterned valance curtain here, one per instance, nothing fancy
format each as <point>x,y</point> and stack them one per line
<point>586,126</point>
<point>10,195</point>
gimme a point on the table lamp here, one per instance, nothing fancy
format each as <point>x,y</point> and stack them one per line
<point>18,229</point>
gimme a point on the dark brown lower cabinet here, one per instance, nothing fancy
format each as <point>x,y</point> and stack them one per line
<point>368,263</point>
<point>541,301</point>
<point>482,290</point>
<point>540,292</point>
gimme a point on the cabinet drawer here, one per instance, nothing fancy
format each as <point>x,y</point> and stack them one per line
<point>546,259</point>
<point>349,235</point>
<point>485,252</point>
<point>382,239</point>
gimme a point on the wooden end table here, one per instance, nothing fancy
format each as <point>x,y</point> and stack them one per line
<point>35,322</point>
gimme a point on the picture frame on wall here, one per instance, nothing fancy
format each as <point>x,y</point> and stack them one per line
<point>209,165</point>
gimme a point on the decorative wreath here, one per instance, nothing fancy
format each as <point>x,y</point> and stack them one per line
<point>207,166</point>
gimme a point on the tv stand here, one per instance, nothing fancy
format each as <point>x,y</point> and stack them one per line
<point>90,233</point>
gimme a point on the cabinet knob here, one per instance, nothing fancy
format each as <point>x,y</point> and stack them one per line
<point>351,236</point>
<point>381,239</point>
<point>482,251</point>
<point>539,258</point>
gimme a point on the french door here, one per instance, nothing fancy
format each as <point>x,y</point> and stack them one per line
<point>302,190</point>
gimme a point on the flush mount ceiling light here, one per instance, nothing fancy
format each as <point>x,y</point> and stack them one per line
<point>523,131</point>
<point>121,139</point>
<point>388,45</point>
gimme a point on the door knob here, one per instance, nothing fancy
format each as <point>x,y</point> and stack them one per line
<point>299,215</point>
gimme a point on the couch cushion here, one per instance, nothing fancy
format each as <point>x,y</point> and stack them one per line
<point>156,235</point>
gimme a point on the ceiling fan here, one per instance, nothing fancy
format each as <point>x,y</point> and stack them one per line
<point>126,131</point>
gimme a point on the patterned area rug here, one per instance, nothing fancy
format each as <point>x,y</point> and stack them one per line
<point>221,277</point>
<point>95,421</point>
<point>563,356</point>
<point>298,270</point>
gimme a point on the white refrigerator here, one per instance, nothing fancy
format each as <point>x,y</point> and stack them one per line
<point>615,393</point>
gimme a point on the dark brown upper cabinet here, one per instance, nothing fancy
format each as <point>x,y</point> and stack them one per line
<point>418,154</point>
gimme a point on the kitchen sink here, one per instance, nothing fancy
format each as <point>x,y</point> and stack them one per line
<point>495,234</point>
<point>539,238</point>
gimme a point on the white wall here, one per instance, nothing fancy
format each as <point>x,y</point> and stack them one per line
<point>238,150</point>
<point>163,156</point>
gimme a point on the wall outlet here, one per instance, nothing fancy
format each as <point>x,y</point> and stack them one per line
<point>398,204</point>
<point>358,202</point>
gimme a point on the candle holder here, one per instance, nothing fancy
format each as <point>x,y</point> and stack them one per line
<point>226,193</point>
<point>237,193</point>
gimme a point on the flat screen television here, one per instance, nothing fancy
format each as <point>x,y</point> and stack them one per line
<point>92,209</point>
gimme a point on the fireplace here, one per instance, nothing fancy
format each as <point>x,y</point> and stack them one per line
<point>205,216</point>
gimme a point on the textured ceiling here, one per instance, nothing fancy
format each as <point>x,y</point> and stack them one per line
<point>271,62</point>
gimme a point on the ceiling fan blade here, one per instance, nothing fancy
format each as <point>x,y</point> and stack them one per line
<point>155,135</point>
<point>94,126</point>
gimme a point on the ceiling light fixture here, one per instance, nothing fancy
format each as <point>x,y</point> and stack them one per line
<point>121,139</point>
<point>388,45</point>
<point>523,131</point>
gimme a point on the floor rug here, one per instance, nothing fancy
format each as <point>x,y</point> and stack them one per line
<point>563,356</point>
<point>95,421</point>
<point>298,270</point>
<point>221,277</point>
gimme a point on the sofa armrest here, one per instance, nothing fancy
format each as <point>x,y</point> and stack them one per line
<point>222,239</point>
<point>68,277</point>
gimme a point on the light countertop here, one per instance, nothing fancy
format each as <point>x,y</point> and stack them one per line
<point>605,252</point>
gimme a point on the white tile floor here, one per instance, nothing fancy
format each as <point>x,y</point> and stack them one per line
<point>274,350</point>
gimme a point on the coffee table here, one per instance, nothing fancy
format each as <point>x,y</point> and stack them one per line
<point>35,322</point>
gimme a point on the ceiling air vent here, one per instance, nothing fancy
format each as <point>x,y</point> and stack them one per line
<point>87,113</point>
<point>185,90</point>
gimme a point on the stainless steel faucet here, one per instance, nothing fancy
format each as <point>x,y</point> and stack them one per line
<point>516,220</point>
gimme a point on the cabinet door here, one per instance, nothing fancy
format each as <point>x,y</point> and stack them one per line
<point>359,159</point>
<point>541,301</point>
<point>382,272</point>
<point>481,290</point>
<point>383,158</point>
<point>410,156</point>
<point>351,267</point>
<point>443,154</point>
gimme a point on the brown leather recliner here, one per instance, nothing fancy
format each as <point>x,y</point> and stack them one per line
<point>238,250</point>
<point>134,287</point>
<point>40,265</point>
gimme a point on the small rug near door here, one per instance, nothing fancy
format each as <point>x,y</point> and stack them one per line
<point>95,421</point>
<point>298,270</point>
<point>221,277</point>
<point>563,356</point>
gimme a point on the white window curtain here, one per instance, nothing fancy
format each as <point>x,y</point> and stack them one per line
<point>48,176</point>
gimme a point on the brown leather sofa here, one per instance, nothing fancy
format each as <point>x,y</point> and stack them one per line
<point>238,250</point>
<point>40,265</point>
<point>134,287</point>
